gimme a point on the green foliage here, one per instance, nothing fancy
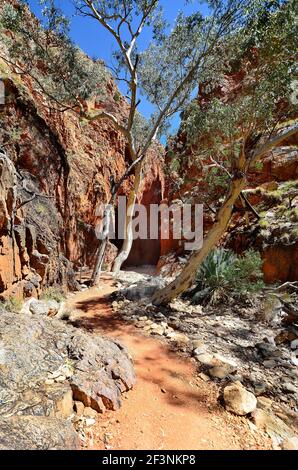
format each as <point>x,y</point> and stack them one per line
<point>223,274</point>
<point>246,273</point>
<point>259,166</point>
<point>41,208</point>
<point>215,270</point>
<point>189,53</point>
<point>53,293</point>
<point>45,52</point>
<point>263,223</point>
<point>117,97</point>
<point>175,164</point>
<point>264,50</point>
<point>216,178</point>
<point>13,304</point>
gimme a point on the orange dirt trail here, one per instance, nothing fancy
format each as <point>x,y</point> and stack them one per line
<point>170,407</point>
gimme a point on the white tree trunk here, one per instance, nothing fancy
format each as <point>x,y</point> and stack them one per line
<point>102,246</point>
<point>128,240</point>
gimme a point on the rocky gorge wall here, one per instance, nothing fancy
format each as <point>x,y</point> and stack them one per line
<point>54,171</point>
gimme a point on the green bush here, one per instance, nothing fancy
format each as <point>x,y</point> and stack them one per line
<point>13,304</point>
<point>53,293</point>
<point>223,275</point>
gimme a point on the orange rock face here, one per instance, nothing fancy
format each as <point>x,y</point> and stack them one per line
<point>73,165</point>
<point>281,264</point>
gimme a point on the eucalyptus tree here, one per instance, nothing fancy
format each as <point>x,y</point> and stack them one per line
<point>242,126</point>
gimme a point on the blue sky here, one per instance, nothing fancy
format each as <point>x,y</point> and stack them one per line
<point>96,42</point>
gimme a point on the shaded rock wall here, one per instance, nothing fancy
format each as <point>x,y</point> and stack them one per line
<point>70,167</point>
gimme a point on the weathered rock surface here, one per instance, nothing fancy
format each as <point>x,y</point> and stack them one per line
<point>238,400</point>
<point>144,289</point>
<point>71,169</point>
<point>273,425</point>
<point>44,366</point>
<point>37,433</point>
<point>290,443</point>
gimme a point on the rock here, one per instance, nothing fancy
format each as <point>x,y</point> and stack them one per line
<point>99,377</point>
<point>25,310</point>
<point>61,395</point>
<point>90,422</point>
<point>264,403</point>
<point>290,444</point>
<point>48,350</point>
<point>37,433</point>
<point>49,381</point>
<point>60,379</point>
<point>273,425</point>
<point>143,289</point>
<point>294,359</point>
<point>269,364</point>
<point>235,378</point>
<point>204,377</point>
<point>205,359</point>
<point>259,388</point>
<point>39,307</point>
<point>54,308</point>
<point>266,349</point>
<point>288,387</point>
<point>221,372</point>
<point>79,408</point>
<point>198,344</point>
<point>238,400</point>
<point>294,344</point>
<point>224,360</point>
<point>178,337</point>
<point>90,413</point>
<point>158,331</point>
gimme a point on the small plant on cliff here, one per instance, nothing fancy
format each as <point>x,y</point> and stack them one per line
<point>13,304</point>
<point>53,293</point>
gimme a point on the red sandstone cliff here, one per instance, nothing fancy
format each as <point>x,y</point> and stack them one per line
<point>52,154</point>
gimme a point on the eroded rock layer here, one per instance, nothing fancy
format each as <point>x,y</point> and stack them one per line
<point>44,366</point>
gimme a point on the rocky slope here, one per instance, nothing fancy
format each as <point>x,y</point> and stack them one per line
<point>46,372</point>
<point>250,350</point>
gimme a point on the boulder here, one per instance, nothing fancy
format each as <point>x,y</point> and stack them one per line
<point>143,289</point>
<point>290,444</point>
<point>221,372</point>
<point>37,433</point>
<point>238,400</point>
<point>178,337</point>
<point>273,425</point>
<point>45,365</point>
<point>39,307</point>
<point>206,359</point>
